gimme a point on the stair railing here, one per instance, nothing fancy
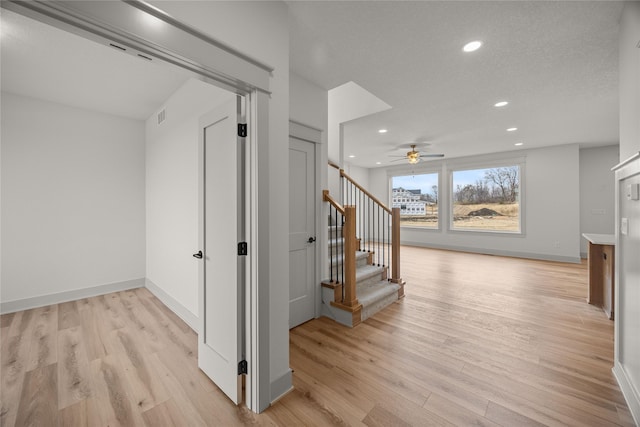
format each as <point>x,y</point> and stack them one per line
<point>378,227</point>
<point>343,241</point>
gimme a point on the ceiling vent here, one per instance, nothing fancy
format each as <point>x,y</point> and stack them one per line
<point>118,47</point>
<point>162,115</point>
<point>131,52</point>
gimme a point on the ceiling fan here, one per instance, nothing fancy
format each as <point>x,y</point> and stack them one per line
<point>414,156</point>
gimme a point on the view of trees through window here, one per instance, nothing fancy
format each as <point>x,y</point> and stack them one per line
<point>417,198</point>
<point>486,199</point>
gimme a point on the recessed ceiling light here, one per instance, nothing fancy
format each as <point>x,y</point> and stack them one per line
<point>351,156</point>
<point>519,143</point>
<point>500,104</point>
<point>382,131</point>
<point>512,129</point>
<point>378,163</point>
<point>472,46</point>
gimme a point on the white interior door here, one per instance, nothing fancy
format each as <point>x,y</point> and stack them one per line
<point>302,235</point>
<point>221,285</point>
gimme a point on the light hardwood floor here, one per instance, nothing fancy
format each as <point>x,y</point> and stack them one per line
<point>478,340</point>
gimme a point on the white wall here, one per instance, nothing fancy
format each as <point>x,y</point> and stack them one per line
<point>551,203</point>
<point>309,106</point>
<point>629,81</point>
<point>627,327</point>
<point>359,174</point>
<point>72,200</point>
<point>597,191</point>
<point>308,103</point>
<point>172,193</point>
<point>260,29</point>
<point>347,102</point>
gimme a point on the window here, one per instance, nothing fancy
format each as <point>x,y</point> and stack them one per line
<point>486,199</point>
<point>417,198</point>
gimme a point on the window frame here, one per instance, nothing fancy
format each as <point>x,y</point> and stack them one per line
<point>430,171</point>
<point>520,162</point>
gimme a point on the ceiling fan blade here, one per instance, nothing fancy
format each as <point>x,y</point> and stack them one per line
<point>431,155</point>
<point>397,160</point>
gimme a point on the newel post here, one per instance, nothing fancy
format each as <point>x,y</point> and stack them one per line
<point>395,246</point>
<point>349,234</point>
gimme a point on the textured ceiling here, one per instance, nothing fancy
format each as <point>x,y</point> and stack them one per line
<point>43,62</point>
<point>555,62</point>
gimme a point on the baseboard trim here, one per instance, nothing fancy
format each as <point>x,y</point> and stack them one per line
<point>498,252</point>
<point>57,298</point>
<point>629,392</point>
<point>186,315</point>
<point>281,386</point>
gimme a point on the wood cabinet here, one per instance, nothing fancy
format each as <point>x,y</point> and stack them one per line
<point>601,263</point>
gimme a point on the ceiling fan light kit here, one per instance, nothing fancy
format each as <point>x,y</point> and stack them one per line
<point>413,156</point>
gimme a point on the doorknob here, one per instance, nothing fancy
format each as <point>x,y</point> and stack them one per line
<point>311,240</point>
<point>198,255</point>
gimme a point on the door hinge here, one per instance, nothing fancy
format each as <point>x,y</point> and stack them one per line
<point>242,130</point>
<point>242,367</point>
<point>242,248</point>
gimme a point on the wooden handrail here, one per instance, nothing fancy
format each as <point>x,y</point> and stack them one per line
<point>333,165</point>
<point>327,198</point>
<point>361,188</point>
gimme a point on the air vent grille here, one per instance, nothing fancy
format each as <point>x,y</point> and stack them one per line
<point>162,115</point>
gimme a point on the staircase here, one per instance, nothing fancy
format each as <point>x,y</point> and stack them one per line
<point>363,251</point>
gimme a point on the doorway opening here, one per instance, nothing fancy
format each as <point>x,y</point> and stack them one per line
<point>168,213</point>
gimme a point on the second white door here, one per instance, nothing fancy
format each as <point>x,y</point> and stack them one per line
<point>302,246</point>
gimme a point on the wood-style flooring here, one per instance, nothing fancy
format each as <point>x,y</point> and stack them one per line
<point>478,340</point>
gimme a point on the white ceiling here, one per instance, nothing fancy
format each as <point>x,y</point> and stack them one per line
<point>43,62</point>
<point>555,62</point>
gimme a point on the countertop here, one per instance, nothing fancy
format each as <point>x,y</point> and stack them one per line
<point>600,239</point>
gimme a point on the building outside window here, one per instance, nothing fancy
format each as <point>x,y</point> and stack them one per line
<point>417,198</point>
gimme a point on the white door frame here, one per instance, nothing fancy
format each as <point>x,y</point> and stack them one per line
<point>219,64</point>
<point>314,135</point>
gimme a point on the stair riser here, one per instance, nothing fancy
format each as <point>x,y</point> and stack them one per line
<point>337,264</point>
<point>332,230</point>
<point>370,280</point>
<point>381,304</point>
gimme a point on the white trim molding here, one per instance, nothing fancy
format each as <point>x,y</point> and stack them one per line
<point>497,252</point>
<point>281,386</point>
<point>186,315</point>
<point>631,395</point>
<point>76,294</point>
<point>626,340</point>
